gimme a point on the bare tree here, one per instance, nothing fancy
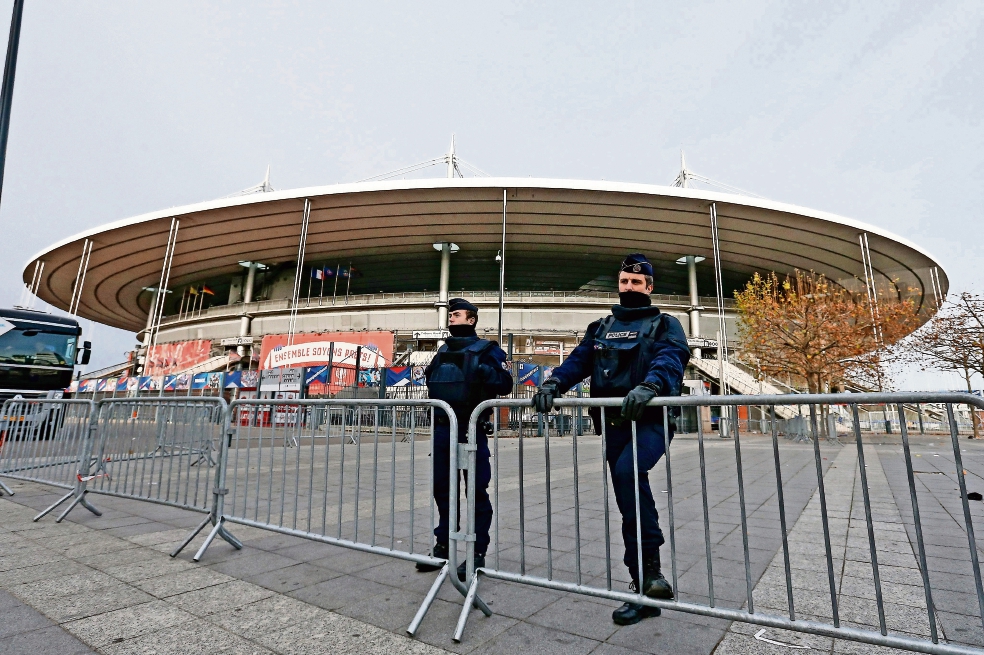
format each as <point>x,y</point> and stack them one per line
<point>952,341</point>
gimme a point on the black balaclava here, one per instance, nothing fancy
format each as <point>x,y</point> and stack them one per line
<point>466,330</point>
<point>633,299</point>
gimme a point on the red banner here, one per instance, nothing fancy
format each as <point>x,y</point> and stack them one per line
<point>168,358</point>
<point>314,349</point>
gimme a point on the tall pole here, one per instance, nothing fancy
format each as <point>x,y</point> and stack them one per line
<point>694,300</point>
<point>7,93</point>
<point>442,299</point>
<point>244,320</point>
<point>502,264</point>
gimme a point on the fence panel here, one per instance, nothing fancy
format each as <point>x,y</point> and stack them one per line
<point>802,534</point>
<point>160,450</point>
<point>44,440</point>
<point>355,473</point>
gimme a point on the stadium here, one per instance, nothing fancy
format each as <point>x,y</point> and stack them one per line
<point>217,286</point>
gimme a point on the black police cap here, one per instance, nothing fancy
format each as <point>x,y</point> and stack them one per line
<point>637,263</point>
<point>460,303</point>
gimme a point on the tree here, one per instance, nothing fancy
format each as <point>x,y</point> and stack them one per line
<point>953,341</point>
<point>822,334</point>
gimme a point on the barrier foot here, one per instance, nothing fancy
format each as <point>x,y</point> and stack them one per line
<point>428,600</point>
<point>89,506</point>
<point>194,534</point>
<point>208,541</point>
<point>52,508</point>
<point>79,500</point>
<point>5,489</point>
<point>471,598</point>
<point>225,534</point>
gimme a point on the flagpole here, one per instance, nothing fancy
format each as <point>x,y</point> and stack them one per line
<point>338,271</point>
<point>321,294</point>
<point>310,275</point>
<point>348,284</point>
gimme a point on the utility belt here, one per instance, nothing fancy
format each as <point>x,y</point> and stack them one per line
<point>614,418</point>
<point>485,426</point>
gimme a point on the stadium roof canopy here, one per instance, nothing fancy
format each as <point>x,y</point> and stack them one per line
<point>561,234</point>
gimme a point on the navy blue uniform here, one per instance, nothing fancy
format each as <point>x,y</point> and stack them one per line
<point>492,377</point>
<point>617,356</point>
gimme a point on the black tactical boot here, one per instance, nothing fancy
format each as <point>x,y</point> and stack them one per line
<point>440,552</point>
<point>632,613</point>
<point>654,584</point>
<point>479,563</point>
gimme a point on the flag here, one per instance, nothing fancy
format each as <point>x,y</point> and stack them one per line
<point>192,291</point>
<point>343,272</point>
<point>317,273</point>
<point>329,271</point>
<point>207,291</point>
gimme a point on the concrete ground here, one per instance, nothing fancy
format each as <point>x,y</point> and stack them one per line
<point>106,584</point>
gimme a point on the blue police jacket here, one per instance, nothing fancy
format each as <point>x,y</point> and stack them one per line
<point>669,353</point>
<point>493,369</point>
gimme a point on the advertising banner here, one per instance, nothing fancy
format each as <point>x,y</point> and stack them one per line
<point>529,374</point>
<point>174,357</point>
<point>87,386</point>
<point>169,382</point>
<point>417,375</point>
<point>398,377</point>
<point>199,381</point>
<point>101,384</point>
<point>123,383</point>
<point>369,377</point>
<point>183,383</point>
<point>314,349</point>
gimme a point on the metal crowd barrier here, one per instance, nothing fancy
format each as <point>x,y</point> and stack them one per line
<point>558,532</point>
<point>354,473</point>
<point>43,440</point>
<point>159,450</point>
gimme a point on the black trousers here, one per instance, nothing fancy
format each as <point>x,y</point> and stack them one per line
<point>442,487</point>
<point>618,452</point>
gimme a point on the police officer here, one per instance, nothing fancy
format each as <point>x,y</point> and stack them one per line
<point>639,353</point>
<point>465,371</point>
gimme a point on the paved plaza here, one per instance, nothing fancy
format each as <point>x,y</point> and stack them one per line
<point>106,584</point>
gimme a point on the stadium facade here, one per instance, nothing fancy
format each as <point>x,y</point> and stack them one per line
<point>379,260</point>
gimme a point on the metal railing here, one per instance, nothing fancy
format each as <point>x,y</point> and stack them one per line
<point>44,440</point>
<point>159,450</point>
<point>354,473</point>
<point>558,522</point>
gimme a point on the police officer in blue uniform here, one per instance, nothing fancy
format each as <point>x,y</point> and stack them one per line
<point>639,353</point>
<point>465,371</point>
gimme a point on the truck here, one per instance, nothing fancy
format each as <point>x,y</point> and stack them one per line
<point>38,353</point>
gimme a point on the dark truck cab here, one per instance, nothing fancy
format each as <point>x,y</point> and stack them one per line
<point>38,353</point>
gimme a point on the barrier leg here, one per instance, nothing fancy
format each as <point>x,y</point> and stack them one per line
<point>5,489</point>
<point>194,534</point>
<point>52,507</point>
<point>225,534</point>
<point>208,541</point>
<point>428,600</point>
<point>79,500</point>
<point>466,608</point>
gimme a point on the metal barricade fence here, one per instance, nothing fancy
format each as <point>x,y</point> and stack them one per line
<point>813,547</point>
<point>160,450</point>
<point>42,440</point>
<point>355,473</point>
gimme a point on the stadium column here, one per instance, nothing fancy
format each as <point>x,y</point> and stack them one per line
<point>244,321</point>
<point>694,301</point>
<point>446,249</point>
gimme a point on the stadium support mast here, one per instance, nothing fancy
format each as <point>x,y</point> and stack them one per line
<point>7,93</point>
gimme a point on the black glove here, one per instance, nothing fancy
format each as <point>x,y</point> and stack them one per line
<point>635,401</point>
<point>544,397</point>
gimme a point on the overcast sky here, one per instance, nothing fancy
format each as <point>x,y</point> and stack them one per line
<point>869,110</point>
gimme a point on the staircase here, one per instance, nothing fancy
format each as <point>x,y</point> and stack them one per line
<point>741,382</point>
